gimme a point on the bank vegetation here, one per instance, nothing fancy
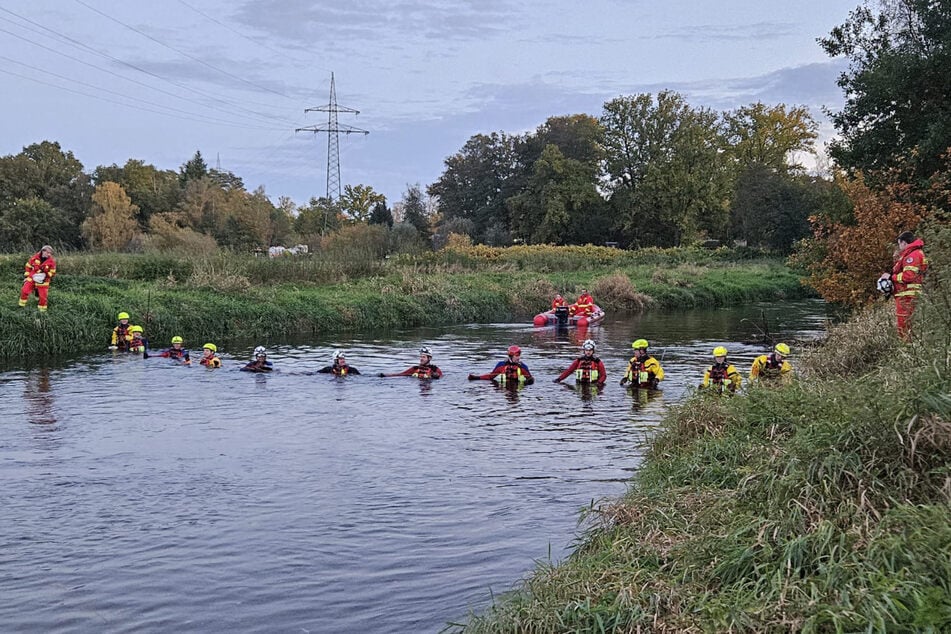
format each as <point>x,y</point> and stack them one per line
<point>224,296</point>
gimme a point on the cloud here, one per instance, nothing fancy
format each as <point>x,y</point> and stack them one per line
<point>306,23</point>
<point>736,32</point>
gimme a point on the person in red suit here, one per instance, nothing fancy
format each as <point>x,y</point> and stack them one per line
<point>511,372</point>
<point>907,277</point>
<point>588,368</point>
<point>558,302</point>
<point>423,370</point>
<point>38,272</point>
<point>585,304</point>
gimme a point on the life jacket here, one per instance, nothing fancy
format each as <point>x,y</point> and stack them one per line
<point>587,370</point>
<point>639,375</point>
<point>138,345</point>
<point>424,371</point>
<point>718,373</point>
<point>339,370</point>
<point>212,362</point>
<point>720,377</point>
<point>175,353</point>
<point>120,336</point>
<point>513,375</point>
<point>772,368</point>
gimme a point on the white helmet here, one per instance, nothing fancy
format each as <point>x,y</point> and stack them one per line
<point>885,286</point>
<point>338,354</point>
<point>260,352</point>
<point>588,344</point>
<point>425,350</point>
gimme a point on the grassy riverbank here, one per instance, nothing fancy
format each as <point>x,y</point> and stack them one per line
<point>821,507</point>
<point>224,296</point>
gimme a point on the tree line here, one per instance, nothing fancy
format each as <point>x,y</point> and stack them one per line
<point>46,196</point>
<point>652,171</point>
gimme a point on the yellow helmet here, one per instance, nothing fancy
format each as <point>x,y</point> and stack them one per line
<point>719,351</point>
<point>122,316</point>
<point>135,328</point>
<point>782,349</point>
<point>177,339</point>
<point>210,346</point>
<point>640,343</point>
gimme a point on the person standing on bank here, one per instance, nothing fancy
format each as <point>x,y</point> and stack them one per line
<point>39,270</point>
<point>906,279</point>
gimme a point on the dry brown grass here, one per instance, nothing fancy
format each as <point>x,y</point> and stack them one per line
<point>617,292</point>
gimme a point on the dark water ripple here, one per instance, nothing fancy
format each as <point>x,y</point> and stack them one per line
<point>142,496</point>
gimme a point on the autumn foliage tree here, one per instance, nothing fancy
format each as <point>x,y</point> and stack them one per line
<point>845,258</point>
<point>111,226</point>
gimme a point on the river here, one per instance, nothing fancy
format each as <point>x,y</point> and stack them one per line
<point>139,495</point>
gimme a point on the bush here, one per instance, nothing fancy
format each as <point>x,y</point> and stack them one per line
<point>617,292</point>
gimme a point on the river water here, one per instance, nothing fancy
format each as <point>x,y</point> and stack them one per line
<point>138,495</point>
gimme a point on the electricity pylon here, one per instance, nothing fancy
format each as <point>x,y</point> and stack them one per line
<point>333,130</point>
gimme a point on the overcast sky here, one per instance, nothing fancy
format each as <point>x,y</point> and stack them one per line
<point>112,80</point>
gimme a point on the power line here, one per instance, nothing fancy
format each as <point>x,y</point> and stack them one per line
<point>333,130</point>
<point>115,74</point>
<point>180,52</point>
<point>77,44</point>
<point>235,31</point>
<point>101,98</point>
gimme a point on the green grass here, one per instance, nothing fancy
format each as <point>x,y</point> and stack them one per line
<point>220,297</point>
<point>821,507</point>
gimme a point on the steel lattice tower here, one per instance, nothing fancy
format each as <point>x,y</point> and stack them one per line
<point>333,130</point>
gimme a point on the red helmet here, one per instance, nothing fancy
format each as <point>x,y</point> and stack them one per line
<point>513,350</point>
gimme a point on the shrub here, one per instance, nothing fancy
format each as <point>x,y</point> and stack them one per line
<point>617,292</point>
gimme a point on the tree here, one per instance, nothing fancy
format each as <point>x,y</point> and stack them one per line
<point>193,169</point>
<point>357,202</point>
<point>281,226</point>
<point>150,189</point>
<point>225,180</point>
<point>560,203</point>
<point>44,171</point>
<point>415,212</point>
<point>844,260</point>
<point>381,215</point>
<point>897,111</point>
<point>666,170</point>
<point>26,223</point>
<point>477,181</point>
<point>242,220</point>
<point>111,226</point>
<point>578,137</point>
<point>771,209</point>
<point>317,218</point>
<point>770,136</point>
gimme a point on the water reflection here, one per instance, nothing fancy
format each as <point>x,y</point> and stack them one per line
<point>38,398</point>
<point>641,398</point>
<point>586,391</point>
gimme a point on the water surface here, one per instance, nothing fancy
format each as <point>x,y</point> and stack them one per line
<point>139,495</point>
